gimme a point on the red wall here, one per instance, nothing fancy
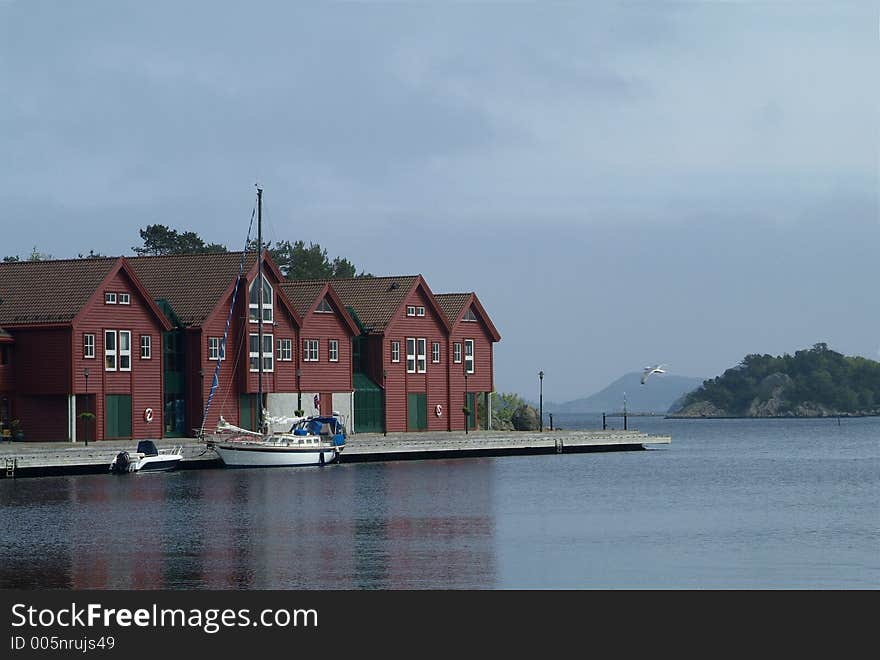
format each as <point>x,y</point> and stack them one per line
<point>323,375</point>
<point>42,361</point>
<point>479,381</point>
<point>433,382</point>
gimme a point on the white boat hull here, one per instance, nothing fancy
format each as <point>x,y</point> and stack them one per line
<point>243,455</point>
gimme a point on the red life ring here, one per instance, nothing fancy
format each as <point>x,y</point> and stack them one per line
<point>148,415</point>
<point>439,410</point>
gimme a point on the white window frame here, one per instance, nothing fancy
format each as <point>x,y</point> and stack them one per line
<point>124,299</point>
<point>333,350</point>
<point>469,316</point>
<point>146,347</point>
<point>89,346</point>
<point>268,305</point>
<point>435,352</point>
<point>456,352</point>
<point>420,311</point>
<point>469,358</point>
<point>410,355</point>
<point>268,355</point>
<point>324,307</point>
<point>421,355</point>
<point>109,298</point>
<point>285,350</point>
<point>410,310</point>
<point>110,352</point>
<point>395,351</point>
<point>213,348</point>
<point>311,350</point>
<point>124,352</point>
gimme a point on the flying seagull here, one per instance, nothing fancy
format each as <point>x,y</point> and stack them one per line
<point>656,369</point>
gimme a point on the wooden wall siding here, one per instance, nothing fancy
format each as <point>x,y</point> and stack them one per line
<point>323,375</point>
<point>232,370</point>
<point>434,382</point>
<point>42,361</point>
<point>43,418</point>
<point>482,379</point>
<point>7,374</point>
<point>144,381</point>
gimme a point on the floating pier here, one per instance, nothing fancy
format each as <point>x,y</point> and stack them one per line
<point>27,459</point>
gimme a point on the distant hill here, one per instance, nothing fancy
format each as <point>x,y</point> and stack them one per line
<point>815,382</point>
<point>657,395</point>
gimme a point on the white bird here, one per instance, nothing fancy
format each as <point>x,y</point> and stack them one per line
<point>656,369</point>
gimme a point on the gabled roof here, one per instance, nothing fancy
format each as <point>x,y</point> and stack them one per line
<point>455,304</point>
<point>49,291</point>
<point>304,295</point>
<point>374,299</point>
<point>192,284</point>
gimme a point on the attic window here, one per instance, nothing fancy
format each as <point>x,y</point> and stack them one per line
<point>124,299</point>
<point>420,311</point>
<point>410,310</point>
<point>254,305</point>
<point>469,315</point>
<point>109,298</point>
<point>324,307</point>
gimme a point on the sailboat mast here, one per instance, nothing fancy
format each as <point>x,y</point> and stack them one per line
<point>260,310</point>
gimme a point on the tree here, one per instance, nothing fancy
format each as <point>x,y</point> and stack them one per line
<point>163,240</point>
<point>38,256</point>
<point>11,259</point>
<point>299,262</point>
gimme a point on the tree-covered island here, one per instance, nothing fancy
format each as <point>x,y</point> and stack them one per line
<point>815,382</point>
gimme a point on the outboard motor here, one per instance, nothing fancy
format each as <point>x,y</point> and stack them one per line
<point>122,463</point>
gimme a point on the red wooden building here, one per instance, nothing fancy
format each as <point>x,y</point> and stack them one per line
<point>323,364</point>
<point>81,335</point>
<point>470,358</point>
<point>196,292</point>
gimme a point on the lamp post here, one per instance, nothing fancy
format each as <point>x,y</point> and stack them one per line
<point>624,411</point>
<point>467,417</point>
<point>384,403</point>
<point>541,398</point>
<point>86,374</point>
<point>299,394</point>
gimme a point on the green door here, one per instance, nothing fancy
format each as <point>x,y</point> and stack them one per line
<point>369,405</point>
<point>417,411</point>
<point>118,415</point>
<point>248,411</point>
<point>472,405</point>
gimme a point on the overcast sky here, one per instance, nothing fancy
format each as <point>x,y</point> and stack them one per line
<point>620,183</point>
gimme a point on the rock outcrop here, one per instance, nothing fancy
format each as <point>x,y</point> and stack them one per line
<point>525,418</point>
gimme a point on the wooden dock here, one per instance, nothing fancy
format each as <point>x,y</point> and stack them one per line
<point>26,459</point>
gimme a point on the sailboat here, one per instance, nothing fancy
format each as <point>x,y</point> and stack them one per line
<point>313,440</point>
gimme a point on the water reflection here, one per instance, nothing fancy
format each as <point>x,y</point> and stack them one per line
<point>372,526</point>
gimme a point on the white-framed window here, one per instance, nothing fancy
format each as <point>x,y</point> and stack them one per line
<point>324,307</point>
<point>456,352</point>
<point>109,350</point>
<point>89,346</point>
<point>310,350</point>
<point>333,350</point>
<point>213,348</point>
<point>410,355</point>
<point>395,351</point>
<point>285,350</point>
<point>469,315</point>
<point>124,299</point>
<point>254,352</point>
<point>469,356</point>
<point>125,350</point>
<point>268,302</point>
<point>421,357</point>
<point>146,347</point>
<point>420,311</point>
<point>435,352</point>
<point>410,310</point>
<point>109,298</point>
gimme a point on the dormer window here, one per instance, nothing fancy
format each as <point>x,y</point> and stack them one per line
<point>324,307</point>
<point>469,315</point>
<point>110,298</point>
<point>124,299</point>
<point>254,304</point>
<point>410,310</point>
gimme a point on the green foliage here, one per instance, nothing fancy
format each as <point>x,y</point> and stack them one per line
<point>11,259</point>
<point>820,378</point>
<point>35,255</point>
<point>503,407</point>
<point>162,240</point>
<point>299,262</point>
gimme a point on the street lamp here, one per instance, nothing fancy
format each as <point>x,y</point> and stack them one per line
<point>299,394</point>
<point>384,403</point>
<point>86,374</point>
<point>467,416</point>
<point>541,399</point>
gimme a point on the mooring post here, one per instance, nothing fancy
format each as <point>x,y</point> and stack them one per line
<point>603,421</point>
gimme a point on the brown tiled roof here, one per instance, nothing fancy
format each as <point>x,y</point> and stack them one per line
<point>452,304</point>
<point>49,291</point>
<point>191,283</point>
<point>374,299</point>
<point>302,294</point>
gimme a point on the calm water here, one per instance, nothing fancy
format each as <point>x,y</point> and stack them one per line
<point>729,504</point>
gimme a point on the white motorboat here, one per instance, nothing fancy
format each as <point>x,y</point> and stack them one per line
<point>147,458</point>
<point>316,440</point>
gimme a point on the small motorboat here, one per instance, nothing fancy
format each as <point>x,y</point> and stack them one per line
<point>147,458</point>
